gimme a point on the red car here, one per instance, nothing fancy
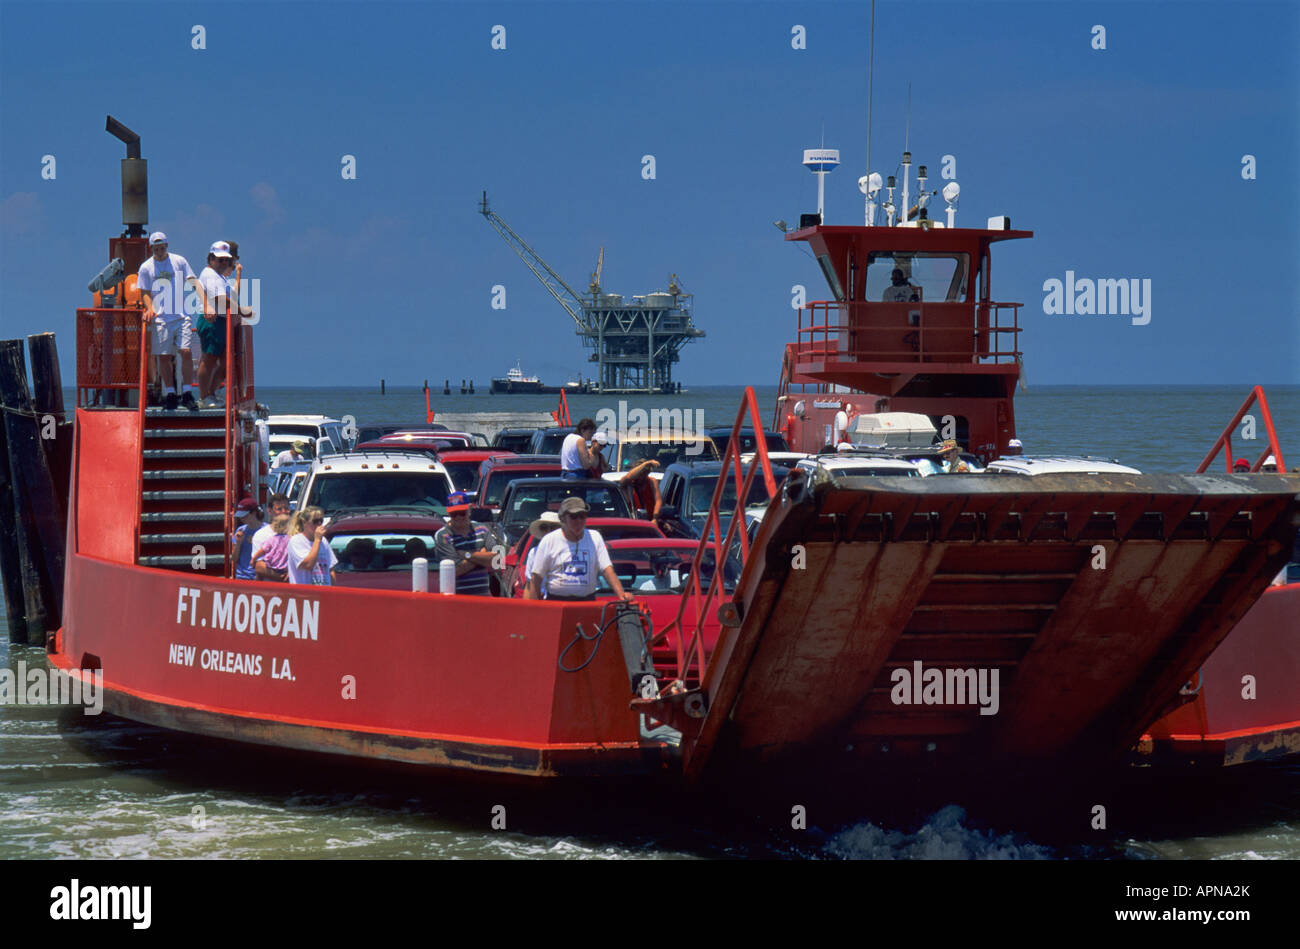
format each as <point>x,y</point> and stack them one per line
<point>463,465</point>
<point>609,528</point>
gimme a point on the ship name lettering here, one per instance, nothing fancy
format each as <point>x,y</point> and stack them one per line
<point>255,614</point>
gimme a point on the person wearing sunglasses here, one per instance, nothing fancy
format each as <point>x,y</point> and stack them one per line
<point>465,544</point>
<point>570,561</point>
<point>310,558</point>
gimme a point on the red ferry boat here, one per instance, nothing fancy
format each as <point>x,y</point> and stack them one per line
<point>1087,602</point>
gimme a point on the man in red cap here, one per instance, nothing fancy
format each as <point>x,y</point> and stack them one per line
<point>466,544</point>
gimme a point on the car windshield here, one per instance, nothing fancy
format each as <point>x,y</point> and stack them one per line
<point>550,443</point>
<point>508,442</point>
<point>666,453</point>
<point>749,443</point>
<point>290,432</point>
<point>866,471</point>
<point>657,570</point>
<point>504,476</point>
<point>374,489</point>
<point>529,502</point>
<point>368,551</point>
<point>463,474</point>
<point>699,497</point>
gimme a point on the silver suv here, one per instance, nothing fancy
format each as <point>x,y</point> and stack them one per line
<point>376,481</point>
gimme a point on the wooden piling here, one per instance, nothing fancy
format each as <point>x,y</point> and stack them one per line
<point>381,386</point>
<point>10,571</point>
<point>36,513</point>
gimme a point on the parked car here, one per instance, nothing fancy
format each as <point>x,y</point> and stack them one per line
<point>288,480</point>
<point>857,465</point>
<point>547,441</point>
<point>445,440</point>
<point>374,481</point>
<point>609,528</point>
<point>722,436</point>
<point>687,491</point>
<point>322,434</point>
<point>371,432</point>
<point>626,452</point>
<point>463,466</point>
<point>375,550</point>
<point>514,439</point>
<point>496,473</point>
<point>525,500</point>
<point>471,439</point>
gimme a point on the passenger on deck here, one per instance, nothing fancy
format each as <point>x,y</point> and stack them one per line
<point>277,568</point>
<point>901,291</point>
<point>644,489</point>
<point>310,558</point>
<point>211,323</point>
<point>570,560</point>
<point>295,452</point>
<point>249,519</point>
<point>271,556</point>
<point>163,280</point>
<point>950,459</point>
<point>576,458</point>
<point>539,528</point>
<point>466,544</point>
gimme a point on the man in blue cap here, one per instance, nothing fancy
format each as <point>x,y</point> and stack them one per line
<point>466,544</point>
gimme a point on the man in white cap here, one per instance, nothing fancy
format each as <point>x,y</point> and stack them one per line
<point>570,560</point>
<point>211,325</point>
<point>163,280</point>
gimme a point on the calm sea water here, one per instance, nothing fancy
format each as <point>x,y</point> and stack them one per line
<point>73,785</point>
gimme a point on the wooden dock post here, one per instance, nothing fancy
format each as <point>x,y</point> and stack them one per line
<point>10,571</point>
<point>37,517</point>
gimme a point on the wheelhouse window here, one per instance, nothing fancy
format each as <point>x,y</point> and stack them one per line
<point>936,277</point>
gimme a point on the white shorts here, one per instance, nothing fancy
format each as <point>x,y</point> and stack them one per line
<point>172,337</point>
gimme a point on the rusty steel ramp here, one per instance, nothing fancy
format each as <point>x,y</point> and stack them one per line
<point>978,617</point>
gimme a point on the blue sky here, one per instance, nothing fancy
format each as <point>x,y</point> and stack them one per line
<point>1125,162</point>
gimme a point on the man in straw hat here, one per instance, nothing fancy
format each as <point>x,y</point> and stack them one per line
<point>950,458</point>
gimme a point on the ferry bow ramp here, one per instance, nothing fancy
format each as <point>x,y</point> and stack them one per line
<point>954,620</point>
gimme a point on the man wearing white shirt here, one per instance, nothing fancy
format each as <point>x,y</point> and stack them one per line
<point>163,280</point>
<point>570,561</point>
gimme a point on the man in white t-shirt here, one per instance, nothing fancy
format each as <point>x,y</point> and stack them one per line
<point>163,280</point>
<point>310,558</point>
<point>569,561</point>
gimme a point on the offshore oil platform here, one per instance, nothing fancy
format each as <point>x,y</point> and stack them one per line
<point>635,341</point>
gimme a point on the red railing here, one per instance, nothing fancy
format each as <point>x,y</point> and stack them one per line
<point>691,661</point>
<point>942,332</point>
<point>1224,442</point>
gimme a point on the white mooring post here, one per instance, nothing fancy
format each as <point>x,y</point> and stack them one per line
<point>447,577</point>
<point>419,575</point>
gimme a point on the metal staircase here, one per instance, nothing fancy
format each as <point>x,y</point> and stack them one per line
<point>183,497</point>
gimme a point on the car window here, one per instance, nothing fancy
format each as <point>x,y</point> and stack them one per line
<point>632,454</point>
<point>463,474</point>
<point>700,499</point>
<point>656,570</point>
<point>501,477</point>
<point>338,491</point>
<point>528,502</point>
<point>368,551</point>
